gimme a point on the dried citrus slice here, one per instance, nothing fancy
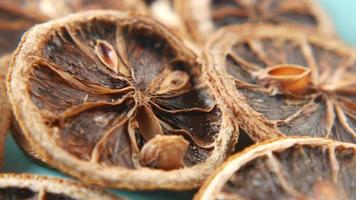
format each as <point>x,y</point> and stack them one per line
<point>5,107</point>
<point>203,17</point>
<point>287,168</point>
<point>117,100</point>
<point>286,81</point>
<point>28,186</point>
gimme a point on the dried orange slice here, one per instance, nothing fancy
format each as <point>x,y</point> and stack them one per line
<point>117,100</point>
<point>203,17</point>
<point>286,81</point>
<point>288,168</point>
<point>28,186</point>
<point>5,107</point>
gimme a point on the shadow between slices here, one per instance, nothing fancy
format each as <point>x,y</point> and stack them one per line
<point>116,100</point>
<point>286,168</point>
<point>285,81</point>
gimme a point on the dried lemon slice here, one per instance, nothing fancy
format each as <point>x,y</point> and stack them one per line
<point>117,100</point>
<point>286,81</point>
<point>28,186</point>
<point>287,168</point>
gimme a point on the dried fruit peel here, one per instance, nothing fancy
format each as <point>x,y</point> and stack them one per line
<point>5,107</point>
<point>45,136</point>
<point>286,168</point>
<point>26,186</point>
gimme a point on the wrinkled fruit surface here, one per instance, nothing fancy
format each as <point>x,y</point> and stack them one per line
<point>119,91</point>
<point>290,168</point>
<point>294,82</point>
<point>203,17</point>
<point>32,187</point>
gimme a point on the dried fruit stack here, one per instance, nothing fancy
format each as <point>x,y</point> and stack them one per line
<point>118,99</point>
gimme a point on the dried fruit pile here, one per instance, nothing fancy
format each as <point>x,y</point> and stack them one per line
<point>154,96</point>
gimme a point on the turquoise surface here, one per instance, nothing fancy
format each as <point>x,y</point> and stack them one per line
<point>342,12</point>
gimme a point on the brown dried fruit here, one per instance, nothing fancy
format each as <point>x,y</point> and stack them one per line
<point>5,107</point>
<point>101,95</point>
<point>299,168</point>
<point>286,81</point>
<point>203,17</point>
<point>28,186</point>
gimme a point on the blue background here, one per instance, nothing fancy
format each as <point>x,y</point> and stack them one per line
<point>343,14</point>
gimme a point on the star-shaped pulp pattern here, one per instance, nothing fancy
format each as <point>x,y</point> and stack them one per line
<point>112,89</point>
<point>327,106</point>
